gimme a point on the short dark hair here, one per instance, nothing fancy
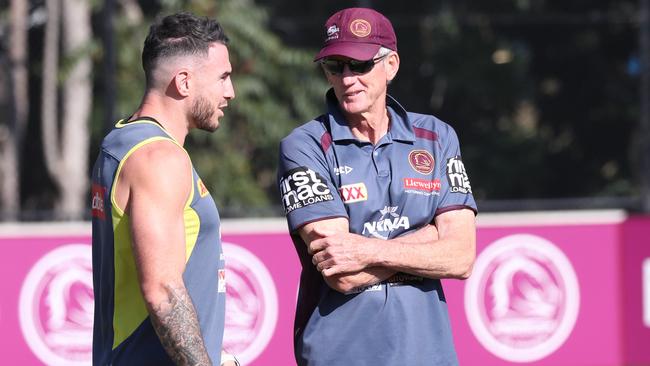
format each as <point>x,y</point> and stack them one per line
<point>179,34</point>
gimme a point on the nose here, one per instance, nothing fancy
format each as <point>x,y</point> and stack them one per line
<point>347,76</point>
<point>229,92</point>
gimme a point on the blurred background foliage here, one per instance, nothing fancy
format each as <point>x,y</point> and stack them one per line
<point>544,95</point>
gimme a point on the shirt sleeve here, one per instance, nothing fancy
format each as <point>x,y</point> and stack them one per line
<point>307,192</point>
<point>456,191</point>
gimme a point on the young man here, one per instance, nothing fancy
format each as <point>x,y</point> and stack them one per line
<point>158,267</point>
<point>380,209</point>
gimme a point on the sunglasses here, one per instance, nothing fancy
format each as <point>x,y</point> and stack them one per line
<point>336,67</point>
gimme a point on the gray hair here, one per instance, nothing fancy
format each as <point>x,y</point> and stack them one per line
<point>383,51</point>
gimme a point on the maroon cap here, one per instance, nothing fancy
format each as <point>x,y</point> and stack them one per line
<point>357,33</point>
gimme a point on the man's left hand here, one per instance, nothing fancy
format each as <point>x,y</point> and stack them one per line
<point>337,252</point>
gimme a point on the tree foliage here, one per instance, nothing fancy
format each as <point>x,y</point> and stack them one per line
<point>544,95</point>
<point>277,88</point>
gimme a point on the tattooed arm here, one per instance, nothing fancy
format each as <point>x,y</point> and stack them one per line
<point>153,188</point>
<point>178,328</point>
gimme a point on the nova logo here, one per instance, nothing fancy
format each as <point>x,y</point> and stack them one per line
<point>302,187</point>
<point>353,192</point>
<point>387,223</point>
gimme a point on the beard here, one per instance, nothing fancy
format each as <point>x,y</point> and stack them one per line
<point>202,114</point>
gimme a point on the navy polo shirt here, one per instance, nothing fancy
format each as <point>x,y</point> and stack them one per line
<point>396,186</point>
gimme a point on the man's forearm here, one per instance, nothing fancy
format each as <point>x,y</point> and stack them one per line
<point>177,326</point>
<point>348,282</point>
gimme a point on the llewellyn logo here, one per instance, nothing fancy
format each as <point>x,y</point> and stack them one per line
<point>522,299</point>
<point>56,306</point>
<point>251,304</point>
<point>422,184</point>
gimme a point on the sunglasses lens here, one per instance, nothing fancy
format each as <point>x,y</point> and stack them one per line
<point>356,67</point>
<point>361,67</point>
<point>333,66</point>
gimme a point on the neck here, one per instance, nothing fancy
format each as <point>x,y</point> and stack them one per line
<point>371,125</point>
<point>169,116</point>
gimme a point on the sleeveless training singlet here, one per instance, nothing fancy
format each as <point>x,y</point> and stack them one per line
<point>123,333</point>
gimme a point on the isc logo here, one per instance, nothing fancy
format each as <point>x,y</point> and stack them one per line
<point>354,192</point>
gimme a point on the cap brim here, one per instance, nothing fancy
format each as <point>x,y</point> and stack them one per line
<point>354,50</point>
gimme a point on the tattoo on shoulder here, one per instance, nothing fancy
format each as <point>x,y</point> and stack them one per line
<point>177,326</point>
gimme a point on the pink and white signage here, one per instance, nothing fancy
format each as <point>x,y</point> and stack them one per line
<point>252,304</point>
<point>56,306</point>
<point>548,289</point>
<point>523,298</point>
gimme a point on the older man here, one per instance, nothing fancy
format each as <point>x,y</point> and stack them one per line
<point>380,208</point>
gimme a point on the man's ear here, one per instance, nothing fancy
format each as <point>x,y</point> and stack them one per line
<point>182,81</point>
<point>392,65</point>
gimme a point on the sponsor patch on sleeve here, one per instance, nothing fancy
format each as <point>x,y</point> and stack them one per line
<point>457,176</point>
<point>301,187</point>
<point>98,198</point>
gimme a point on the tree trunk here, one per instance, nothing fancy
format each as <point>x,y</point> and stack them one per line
<point>66,148</point>
<point>77,102</point>
<point>49,110</point>
<point>14,129</point>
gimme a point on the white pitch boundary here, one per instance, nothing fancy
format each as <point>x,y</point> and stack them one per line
<point>279,225</point>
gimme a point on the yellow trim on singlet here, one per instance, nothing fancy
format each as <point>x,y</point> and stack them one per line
<point>124,122</point>
<point>129,307</point>
<point>191,221</point>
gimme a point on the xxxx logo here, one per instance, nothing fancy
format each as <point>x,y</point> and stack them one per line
<point>353,192</point>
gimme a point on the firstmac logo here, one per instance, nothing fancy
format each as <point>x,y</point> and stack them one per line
<point>301,187</point>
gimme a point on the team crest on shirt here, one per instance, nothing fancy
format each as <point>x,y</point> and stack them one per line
<point>203,190</point>
<point>354,192</point>
<point>421,161</point>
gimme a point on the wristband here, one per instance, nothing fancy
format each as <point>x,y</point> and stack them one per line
<point>228,357</point>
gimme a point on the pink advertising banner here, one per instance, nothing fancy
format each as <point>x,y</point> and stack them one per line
<point>561,288</point>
